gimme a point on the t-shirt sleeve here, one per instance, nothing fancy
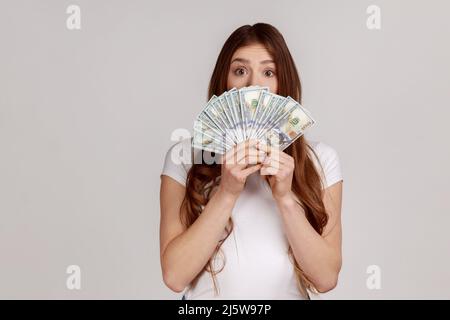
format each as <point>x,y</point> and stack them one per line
<point>176,161</point>
<point>330,162</point>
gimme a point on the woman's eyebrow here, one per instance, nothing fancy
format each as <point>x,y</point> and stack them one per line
<point>248,61</point>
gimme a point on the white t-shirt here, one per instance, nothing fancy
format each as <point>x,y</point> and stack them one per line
<point>257,264</point>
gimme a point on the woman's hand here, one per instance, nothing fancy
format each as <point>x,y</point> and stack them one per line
<point>237,164</point>
<point>280,168</point>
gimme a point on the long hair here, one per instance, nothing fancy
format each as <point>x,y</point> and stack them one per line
<point>306,184</point>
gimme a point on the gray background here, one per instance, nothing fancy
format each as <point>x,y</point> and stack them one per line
<point>86,118</point>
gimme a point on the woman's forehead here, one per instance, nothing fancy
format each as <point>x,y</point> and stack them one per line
<point>252,52</point>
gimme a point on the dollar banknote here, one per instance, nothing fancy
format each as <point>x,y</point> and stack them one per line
<point>249,113</point>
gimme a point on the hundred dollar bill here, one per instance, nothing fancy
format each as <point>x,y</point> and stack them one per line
<point>204,115</point>
<point>200,141</point>
<point>215,115</point>
<point>249,100</point>
<point>220,139</point>
<point>220,114</point>
<point>249,113</point>
<point>281,110</point>
<point>237,103</point>
<point>234,109</point>
<point>200,125</point>
<point>290,128</point>
<point>260,108</point>
<point>203,141</point>
<point>230,117</point>
<point>264,110</point>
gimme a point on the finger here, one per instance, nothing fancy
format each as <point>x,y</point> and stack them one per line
<point>269,171</point>
<point>282,161</point>
<point>240,156</point>
<point>270,150</point>
<point>254,154</point>
<point>279,155</point>
<point>239,149</point>
<point>245,146</point>
<point>271,162</point>
<point>263,146</point>
<point>283,156</point>
<point>274,166</point>
<point>250,160</point>
<point>246,172</point>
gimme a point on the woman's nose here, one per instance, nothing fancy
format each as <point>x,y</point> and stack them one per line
<point>253,80</point>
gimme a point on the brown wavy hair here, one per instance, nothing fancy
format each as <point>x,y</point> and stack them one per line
<point>307,185</point>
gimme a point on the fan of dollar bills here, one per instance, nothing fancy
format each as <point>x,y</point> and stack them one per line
<point>249,113</point>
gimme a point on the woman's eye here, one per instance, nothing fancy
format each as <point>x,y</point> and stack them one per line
<point>269,73</point>
<point>239,71</point>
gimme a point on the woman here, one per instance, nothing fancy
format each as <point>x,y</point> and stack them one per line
<point>247,231</point>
